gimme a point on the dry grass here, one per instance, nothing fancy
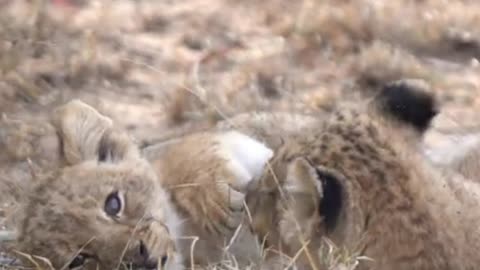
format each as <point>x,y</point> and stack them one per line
<point>425,27</point>
<point>164,69</point>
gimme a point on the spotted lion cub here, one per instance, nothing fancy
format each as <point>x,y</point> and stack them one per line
<point>359,179</point>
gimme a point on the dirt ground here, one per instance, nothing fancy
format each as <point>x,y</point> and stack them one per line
<point>160,68</point>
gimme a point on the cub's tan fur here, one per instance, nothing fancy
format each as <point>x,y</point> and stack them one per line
<point>63,216</point>
<point>360,180</point>
<point>195,189</point>
<point>208,175</point>
<point>469,164</point>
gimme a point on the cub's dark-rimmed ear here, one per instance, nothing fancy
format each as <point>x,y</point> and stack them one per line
<point>80,129</point>
<point>116,145</point>
<point>301,178</point>
<point>409,101</point>
<point>315,187</point>
<point>85,134</point>
<point>332,200</point>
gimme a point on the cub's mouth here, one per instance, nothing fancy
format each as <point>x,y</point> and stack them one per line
<point>139,257</point>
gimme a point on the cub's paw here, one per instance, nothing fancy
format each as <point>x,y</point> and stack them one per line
<point>156,249</point>
<point>242,161</point>
<point>245,159</point>
<point>209,175</point>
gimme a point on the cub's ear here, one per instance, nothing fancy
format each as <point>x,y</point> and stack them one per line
<point>300,211</point>
<point>408,101</point>
<point>314,190</point>
<point>80,128</point>
<point>302,179</point>
<point>85,134</point>
<point>333,198</point>
<point>303,190</point>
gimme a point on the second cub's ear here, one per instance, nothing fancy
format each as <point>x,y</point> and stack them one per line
<point>409,101</point>
<point>317,188</point>
<point>302,179</point>
<point>80,129</point>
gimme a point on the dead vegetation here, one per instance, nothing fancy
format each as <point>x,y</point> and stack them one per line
<point>162,68</point>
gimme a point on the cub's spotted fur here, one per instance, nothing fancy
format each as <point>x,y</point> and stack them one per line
<point>359,179</point>
<point>469,164</point>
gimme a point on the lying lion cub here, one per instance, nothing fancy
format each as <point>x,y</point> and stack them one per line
<point>101,204</point>
<point>358,178</point>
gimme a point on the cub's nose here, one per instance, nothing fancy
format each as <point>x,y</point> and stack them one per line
<point>148,262</point>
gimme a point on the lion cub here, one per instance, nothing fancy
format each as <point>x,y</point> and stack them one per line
<point>102,203</point>
<point>359,179</point>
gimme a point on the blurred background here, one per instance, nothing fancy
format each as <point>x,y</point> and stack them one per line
<point>163,67</point>
<point>156,66</point>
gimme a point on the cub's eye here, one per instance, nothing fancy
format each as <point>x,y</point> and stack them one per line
<point>113,204</point>
<point>78,261</point>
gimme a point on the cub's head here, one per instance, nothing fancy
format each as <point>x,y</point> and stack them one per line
<point>103,207</point>
<point>337,176</point>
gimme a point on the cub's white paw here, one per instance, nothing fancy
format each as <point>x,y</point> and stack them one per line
<point>246,158</point>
